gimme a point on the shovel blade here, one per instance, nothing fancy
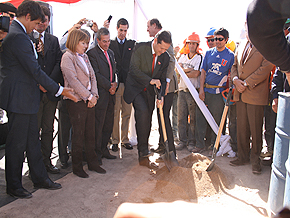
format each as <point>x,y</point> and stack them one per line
<point>170,160</point>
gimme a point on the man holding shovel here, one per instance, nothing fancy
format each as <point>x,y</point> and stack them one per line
<point>148,67</point>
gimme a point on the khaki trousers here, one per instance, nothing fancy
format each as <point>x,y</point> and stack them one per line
<point>123,109</point>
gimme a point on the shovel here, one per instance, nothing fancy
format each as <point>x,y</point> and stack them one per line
<point>168,157</point>
<point>217,141</point>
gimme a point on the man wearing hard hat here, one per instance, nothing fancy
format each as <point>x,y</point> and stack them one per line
<point>190,61</point>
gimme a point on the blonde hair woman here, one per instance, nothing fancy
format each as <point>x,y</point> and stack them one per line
<point>79,75</point>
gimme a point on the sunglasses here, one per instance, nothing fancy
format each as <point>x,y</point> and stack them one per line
<point>210,40</point>
<point>11,15</point>
<point>219,39</point>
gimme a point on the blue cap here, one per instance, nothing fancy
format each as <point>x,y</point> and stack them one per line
<point>210,32</point>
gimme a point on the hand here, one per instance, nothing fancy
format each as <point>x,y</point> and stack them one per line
<point>275,105</point>
<point>156,82</point>
<point>113,88</point>
<point>68,92</point>
<point>201,94</point>
<point>106,24</point>
<point>176,50</point>
<point>159,103</point>
<point>82,21</point>
<point>42,89</point>
<point>239,84</point>
<point>2,34</point>
<point>95,27</point>
<point>167,88</point>
<point>92,102</point>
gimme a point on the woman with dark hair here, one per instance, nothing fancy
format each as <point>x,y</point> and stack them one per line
<point>79,75</point>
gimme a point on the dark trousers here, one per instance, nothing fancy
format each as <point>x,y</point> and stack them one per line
<point>168,100</point>
<point>23,137</point>
<point>45,118</point>
<point>249,123</point>
<point>64,131</point>
<point>104,127</point>
<point>215,105</point>
<point>83,124</point>
<point>143,104</point>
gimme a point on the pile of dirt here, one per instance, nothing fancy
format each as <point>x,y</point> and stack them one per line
<point>187,182</point>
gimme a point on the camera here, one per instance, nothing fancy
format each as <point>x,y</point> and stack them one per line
<point>90,23</point>
<point>4,23</point>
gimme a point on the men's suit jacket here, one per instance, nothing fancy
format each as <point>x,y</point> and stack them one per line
<point>173,85</point>
<point>141,69</point>
<point>50,63</point>
<point>123,60</point>
<point>102,70</point>
<point>21,74</point>
<point>255,71</point>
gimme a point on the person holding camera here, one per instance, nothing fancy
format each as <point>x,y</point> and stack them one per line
<point>7,11</point>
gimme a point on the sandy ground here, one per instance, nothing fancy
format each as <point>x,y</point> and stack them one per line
<point>244,195</point>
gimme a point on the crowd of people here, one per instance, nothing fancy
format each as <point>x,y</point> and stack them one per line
<point>96,85</point>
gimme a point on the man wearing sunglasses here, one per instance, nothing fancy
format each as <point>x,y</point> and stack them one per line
<point>210,41</point>
<point>214,74</point>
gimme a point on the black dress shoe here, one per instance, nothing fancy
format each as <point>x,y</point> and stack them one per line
<point>81,173</point>
<point>109,156</point>
<point>47,184</point>
<point>64,165</point>
<point>114,147</point>
<point>52,169</point>
<point>98,169</point>
<point>19,193</point>
<point>147,163</point>
<point>127,146</point>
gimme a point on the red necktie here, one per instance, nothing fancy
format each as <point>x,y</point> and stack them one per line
<point>153,62</point>
<point>111,70</point>
<point>247,52</point>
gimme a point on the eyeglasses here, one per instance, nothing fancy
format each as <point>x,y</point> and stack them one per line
<point>210,40</point>
<point>219,39</point>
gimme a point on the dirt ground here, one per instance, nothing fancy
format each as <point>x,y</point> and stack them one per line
<point>226,191</point>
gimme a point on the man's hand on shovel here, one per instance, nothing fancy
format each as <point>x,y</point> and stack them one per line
<point>159,103</point>
<point>68,92</point>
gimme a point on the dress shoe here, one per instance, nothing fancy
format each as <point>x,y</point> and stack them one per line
<point>180,146</point>
<point>19,193</point>
<point>114,147</point>
<point>47,184</point>
<point>52,169</point>
<point>109,156</point>
<point>238,162</point>
<point>81,173</point>
<point>147,163</point>
<point>127,146</point>
<point>198,150</point>
<point>160,149</point>
<point>64,165</point>
<point>256,169</point>
<point>98,169</point>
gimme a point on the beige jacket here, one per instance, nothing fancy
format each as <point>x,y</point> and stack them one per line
<point>255,71</point>
<point>76,77</point>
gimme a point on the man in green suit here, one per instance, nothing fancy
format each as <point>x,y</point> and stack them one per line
<point>148,68</point>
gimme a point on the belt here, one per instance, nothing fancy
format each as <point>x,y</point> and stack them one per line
<point>187,90</point>
<point>212,86</point>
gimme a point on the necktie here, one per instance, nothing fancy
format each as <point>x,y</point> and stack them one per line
<point>247,52</point>
<point>121,42</point>
<point>153,62</point>
<point>111,70</point>
<point>40,45</point>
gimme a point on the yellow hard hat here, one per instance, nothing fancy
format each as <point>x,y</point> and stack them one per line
<point>231,45</point>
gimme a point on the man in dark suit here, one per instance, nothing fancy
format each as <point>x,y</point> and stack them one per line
<point>20,96</point>
<point>103,62</point>
<point>148,68</point>
<point>49,56</point>
<point>122,48</point>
